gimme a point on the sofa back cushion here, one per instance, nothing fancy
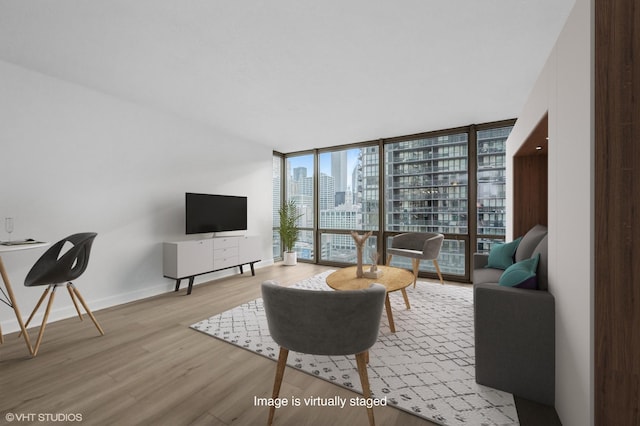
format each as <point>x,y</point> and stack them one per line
<point>542,249</point>
<point>529,242</point>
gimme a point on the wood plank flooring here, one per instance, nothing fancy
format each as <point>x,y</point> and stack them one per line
<point>150,368</point>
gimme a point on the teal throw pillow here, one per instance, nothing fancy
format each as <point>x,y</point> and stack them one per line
<point>521,274</point>
<point>501,254</point>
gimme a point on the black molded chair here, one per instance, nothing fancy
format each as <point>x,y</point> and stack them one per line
<point>54,269</point>
<point>323,323</point>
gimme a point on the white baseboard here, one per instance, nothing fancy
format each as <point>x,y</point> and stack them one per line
<point>57,314</point>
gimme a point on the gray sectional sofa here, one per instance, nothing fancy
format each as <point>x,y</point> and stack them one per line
<point>515,327</point>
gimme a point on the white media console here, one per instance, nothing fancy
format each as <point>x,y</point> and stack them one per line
<point>187,259</point>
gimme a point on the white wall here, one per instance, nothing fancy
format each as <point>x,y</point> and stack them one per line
<point>564,90</point>
<point>75,160</point>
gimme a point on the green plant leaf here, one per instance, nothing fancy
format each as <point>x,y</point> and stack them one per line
<point>289,231</point>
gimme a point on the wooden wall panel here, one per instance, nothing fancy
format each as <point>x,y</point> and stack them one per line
<point>530,189</point>
<point>617,213</point>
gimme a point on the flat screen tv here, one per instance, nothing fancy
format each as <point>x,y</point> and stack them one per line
<point>214,213</point>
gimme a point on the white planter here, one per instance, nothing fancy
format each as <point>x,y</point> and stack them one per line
<point>290,258</point>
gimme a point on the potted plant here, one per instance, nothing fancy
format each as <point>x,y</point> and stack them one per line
<point>289,230</point>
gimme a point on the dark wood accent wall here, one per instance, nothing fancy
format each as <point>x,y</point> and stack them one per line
<point>530,180</point>
<point>530,189</point>
<point>617,213</point>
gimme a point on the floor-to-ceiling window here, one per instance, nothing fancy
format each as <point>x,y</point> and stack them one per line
<point>277,202</point>
<point>348,200</point>
<point>491,194</point>
<point>450,182</point>
<point>426,190</point>
<point>300,187</point>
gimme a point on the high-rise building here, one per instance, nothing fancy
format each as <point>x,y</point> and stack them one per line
<point>491,186</point>
<point>426,191</point>
<point>299,173</point>
<point>426,185</point>
<point>341,247</point>
<point>339,170</point>
<point>300,189</point>
<point>326,194</point>
<point>366,186</point>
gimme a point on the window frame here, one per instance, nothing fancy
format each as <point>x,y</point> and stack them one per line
<point>470,239</point>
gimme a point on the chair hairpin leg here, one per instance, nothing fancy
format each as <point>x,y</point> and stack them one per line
<point>435,263</point>
<point>282,363</point>
<point>44,320</point>
<point>44,294</point>
<point>73,299</point>
<point>361,361</point>
<point>416,270</point>
<point>86,308</point>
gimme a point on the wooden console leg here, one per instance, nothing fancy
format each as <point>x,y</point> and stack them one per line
<point>178,281</point>
<point>190,285</point>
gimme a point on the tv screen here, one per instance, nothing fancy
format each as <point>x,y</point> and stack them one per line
<point>214,213</point>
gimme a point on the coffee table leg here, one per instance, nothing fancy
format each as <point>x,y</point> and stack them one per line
<point>387,305</point>
<point>406,298</point>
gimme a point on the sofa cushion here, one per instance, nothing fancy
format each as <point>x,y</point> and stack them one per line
<point>541,250</point>
<point>529,242</point>
<point>501,254</point>
<point>521,274</point>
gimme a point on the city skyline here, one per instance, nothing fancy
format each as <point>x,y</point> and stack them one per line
<point>424,189</point>
<point>306,161</point>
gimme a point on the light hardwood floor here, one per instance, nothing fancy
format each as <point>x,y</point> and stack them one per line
<point>150,368</point>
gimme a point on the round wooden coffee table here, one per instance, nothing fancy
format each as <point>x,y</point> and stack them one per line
<point>393,279</point>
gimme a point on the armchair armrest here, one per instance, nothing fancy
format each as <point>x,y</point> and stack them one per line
<point>515,341</point>
<point>432,245</point>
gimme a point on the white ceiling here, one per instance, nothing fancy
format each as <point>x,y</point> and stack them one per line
<point>295,74</point>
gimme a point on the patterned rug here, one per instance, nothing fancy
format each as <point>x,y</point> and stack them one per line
<point>426,368</point>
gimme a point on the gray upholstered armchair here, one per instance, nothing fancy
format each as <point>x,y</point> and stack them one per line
<point>418,246</point>
<point>323,323</point>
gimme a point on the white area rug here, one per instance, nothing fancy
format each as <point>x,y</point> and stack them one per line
<point>425,368</point>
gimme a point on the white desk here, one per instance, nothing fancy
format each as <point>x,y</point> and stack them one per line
<point>11,302</point>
